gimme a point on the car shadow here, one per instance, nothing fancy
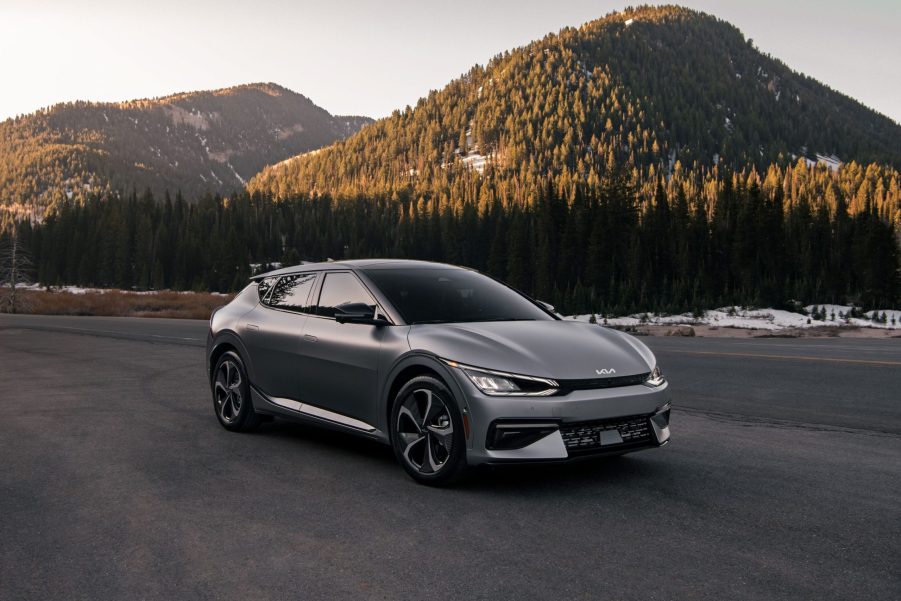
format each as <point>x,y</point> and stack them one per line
<point>553,477</point>
<point>337,440</point>
<point>563,476</point>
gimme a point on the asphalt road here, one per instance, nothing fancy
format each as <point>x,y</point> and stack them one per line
<point>782,481</point>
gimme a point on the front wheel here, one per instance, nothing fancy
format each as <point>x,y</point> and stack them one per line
<point>427,432</point>
<point>231,395</point>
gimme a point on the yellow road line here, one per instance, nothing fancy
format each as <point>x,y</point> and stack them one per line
<point>788,357</point>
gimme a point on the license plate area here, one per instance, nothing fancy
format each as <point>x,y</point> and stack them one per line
<point>609,437</point>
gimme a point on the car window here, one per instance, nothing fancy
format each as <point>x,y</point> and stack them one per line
<point>264,286</point>
<point>292,292</point>
<point>452,295</point>
<point>341,288</point>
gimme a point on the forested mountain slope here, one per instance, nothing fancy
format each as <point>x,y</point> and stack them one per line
<point>194,142</point>
<point>651,160</point>
<point>652,86</point>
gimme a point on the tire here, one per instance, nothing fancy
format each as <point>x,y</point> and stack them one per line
<point>427,432</point>
<point>231,395</point>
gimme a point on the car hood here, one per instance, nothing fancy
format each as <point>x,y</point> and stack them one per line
<point>550,349</point>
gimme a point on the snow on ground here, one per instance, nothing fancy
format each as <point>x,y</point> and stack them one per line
<point>238,175</point>
<point>831,161</point>
<point>475,161</point>
<point>80,290</point>
<point>256,267</point>
<point>758,319</point>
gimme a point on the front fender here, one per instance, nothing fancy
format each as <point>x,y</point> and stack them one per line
<point>418,360</point>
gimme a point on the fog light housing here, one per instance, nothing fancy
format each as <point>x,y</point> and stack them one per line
<point>660,423</point>
<point>509,436</point>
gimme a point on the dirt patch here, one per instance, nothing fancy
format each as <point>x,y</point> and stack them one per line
<point>121,303</point>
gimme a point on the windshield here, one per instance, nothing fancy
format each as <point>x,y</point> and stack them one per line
<point>452,295</point>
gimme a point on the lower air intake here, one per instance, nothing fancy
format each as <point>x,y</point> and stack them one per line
<point>606,434</point>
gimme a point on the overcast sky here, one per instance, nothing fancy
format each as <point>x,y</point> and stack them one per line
<point>370,57</point>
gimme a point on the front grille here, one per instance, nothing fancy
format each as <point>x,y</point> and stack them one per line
<point>596,383</point>
<point>586,436</point>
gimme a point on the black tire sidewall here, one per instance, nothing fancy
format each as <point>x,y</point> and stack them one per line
<point>456,463</point>
<point>246,416</point>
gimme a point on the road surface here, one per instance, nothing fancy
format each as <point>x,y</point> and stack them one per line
<point>782,481</point>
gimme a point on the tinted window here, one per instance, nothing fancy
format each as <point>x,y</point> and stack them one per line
<point>265,286</point>
<point>341,289</point>
<point>293,292</point>
<point>452,295</point>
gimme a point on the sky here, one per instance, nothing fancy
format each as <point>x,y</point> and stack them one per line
<point>371,57</point>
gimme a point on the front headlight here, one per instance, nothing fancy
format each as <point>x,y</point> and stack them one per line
<point>655,378</point>
<point>498,383</point>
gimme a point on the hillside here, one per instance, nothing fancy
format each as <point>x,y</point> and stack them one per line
<point>194,142</point>
<point>652,87</point>
<point>649,161</point>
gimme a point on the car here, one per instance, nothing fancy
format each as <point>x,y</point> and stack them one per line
<point>448,366</point>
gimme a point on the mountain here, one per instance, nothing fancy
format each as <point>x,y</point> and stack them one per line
<point>653,160</point>
<point>197,142</point>
<point>652,87</point>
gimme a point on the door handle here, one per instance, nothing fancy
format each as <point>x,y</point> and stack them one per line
<point>310,338</point>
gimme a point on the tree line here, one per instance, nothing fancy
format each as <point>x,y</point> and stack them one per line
<point>683,243</point>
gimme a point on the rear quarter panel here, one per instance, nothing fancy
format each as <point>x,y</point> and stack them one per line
<point>224,326</point>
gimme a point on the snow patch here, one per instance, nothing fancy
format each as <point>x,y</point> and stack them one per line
<point>256,267</point>
<point>237,175</point>
<point>476,161</point>
<point>759,319</point>
<point>283,134</point>
<point>180,116</point>
<point>831,161</point>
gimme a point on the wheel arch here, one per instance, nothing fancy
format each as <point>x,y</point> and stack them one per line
<point>409,367</point>
<point>224,342</point>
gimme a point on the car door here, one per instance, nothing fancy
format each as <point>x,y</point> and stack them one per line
<point>273,334</point>
<point>339,371</point>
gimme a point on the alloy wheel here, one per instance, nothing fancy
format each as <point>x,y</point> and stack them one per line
<point>229,397</point>
<point>425,430</point>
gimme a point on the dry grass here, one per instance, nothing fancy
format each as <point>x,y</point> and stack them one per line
<point>122,303</point>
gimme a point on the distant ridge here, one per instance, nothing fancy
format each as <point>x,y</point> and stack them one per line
<point>196,142</point>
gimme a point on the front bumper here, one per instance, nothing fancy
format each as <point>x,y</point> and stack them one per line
<point>582,423</point>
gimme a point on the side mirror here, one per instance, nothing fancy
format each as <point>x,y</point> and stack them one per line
<point>358,313</point>
<point>546,306</point>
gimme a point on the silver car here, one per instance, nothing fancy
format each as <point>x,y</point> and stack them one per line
<point>448,366</point>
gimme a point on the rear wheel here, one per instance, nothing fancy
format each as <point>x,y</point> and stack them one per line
<point>231,395</point>
<point>427,432</point>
